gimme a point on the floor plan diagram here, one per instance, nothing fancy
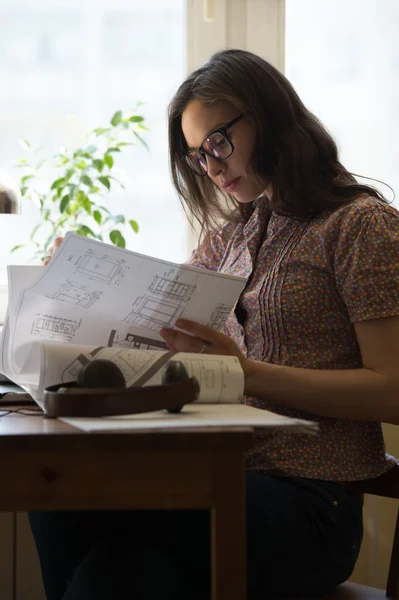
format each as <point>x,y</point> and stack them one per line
<point>78,295</point>
<point>102,268</point>
<point>219,316</point>
<point>56,328</point>
<point>133,341</point>
<point>165,300</point>
<point>172,289</point>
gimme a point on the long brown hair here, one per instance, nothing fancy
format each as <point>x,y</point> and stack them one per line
<point>293,151</point>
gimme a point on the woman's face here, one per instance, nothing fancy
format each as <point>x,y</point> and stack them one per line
<point>234,175</point>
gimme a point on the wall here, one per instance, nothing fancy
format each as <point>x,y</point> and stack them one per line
<point>379,526</point>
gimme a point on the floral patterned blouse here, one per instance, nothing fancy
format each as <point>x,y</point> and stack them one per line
<point>309,281</point>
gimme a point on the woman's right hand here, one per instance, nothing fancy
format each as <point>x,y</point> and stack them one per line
<point>53,248</point>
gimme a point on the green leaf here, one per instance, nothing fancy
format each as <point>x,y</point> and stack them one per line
<point>69,173</point>
<point>81,152</point>
<point>97,216</point>
<point>98,164</point>
<point>105,181</point>
<point>17,247</point>
<point>94,189</point>
<point>87,204</point>
<point>64,203</point>
<point>86,180</point>
<point>109,161</point>
<point>118,219</point>
<point>113,149</point>
<point>100,130</point>
<point>82,164</point>
<point>57,183</point>
<point>34,230</point>
<point>23,190</point>
<point>105,210</point>
<point>120,144</point>
<point>24,143</point>
<point>117,238</point>
<point>85,231</point>
<point>83,200</point>
<point>27,177</point>
<point>116,119</point>
<point>134,225</point>
<point>136,119</point>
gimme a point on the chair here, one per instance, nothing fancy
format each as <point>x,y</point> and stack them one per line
<point>386,485</point>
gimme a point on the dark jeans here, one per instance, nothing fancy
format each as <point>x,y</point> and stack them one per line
<point>303,538</point>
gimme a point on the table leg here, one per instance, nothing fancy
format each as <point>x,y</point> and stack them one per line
<point>228,527</point>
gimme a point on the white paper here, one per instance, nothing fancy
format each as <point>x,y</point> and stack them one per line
<point>19,277</point>
<point>94,294</point>
<point>194,416</point>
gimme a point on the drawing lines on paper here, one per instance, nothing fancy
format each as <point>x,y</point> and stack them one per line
<point>153,313</point>
<point>212,380</point>
<point>165,301</point>
<point>172,289</point>
<point>56,328</point>
<point>133,341</point>
<point>102,268</point>
<point>78,295</point>
<point>219,316</point>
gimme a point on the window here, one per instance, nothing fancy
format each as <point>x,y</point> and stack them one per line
<point>89,58</point>
<point>342,56</point>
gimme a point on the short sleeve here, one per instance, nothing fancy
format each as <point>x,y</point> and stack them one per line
<point>366,260</point>
<point>212,249</point>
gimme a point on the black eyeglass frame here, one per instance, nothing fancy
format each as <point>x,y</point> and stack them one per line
<point>223,131</point>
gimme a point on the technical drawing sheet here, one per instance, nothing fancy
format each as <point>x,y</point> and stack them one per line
<point>98,294</point>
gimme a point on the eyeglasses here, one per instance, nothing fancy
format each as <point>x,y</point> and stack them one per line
<point>217,145</point>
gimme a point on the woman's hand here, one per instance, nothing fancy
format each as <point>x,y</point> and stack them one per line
<point>53,248</point>
<point>200,338</point>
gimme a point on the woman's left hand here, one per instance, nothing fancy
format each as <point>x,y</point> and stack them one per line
<point>200,338</point>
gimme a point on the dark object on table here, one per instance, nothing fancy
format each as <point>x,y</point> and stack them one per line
<point>103,399</point>
<point>101,373</point>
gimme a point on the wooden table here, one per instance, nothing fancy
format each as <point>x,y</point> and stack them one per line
<point>47,464</point>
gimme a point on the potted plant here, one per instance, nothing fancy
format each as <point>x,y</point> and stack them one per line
<point>70,187</point>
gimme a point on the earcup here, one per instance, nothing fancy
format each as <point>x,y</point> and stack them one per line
<point>173,371</point>
<point>101,373</point>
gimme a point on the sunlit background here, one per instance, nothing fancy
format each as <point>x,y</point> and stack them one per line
<point>89,58</point>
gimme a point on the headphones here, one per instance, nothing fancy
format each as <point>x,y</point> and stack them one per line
<point>100,391</point>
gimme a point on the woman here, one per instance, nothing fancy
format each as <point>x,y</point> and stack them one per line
<point>316,331</point>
